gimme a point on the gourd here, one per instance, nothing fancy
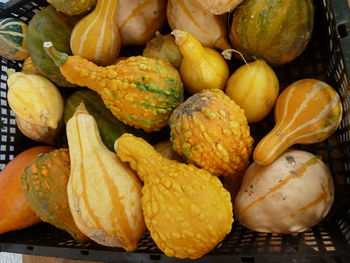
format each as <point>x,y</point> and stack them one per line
<point>290,195</point>
<point>96,37</point>
<point>103,193</point>
<point>37,104</point>
<point>138,20</point>
<point>15,210</point>
<point>13,39</point>
<point>186,209</point>
<point>45,187</point>
<point>29,67</point>
<point>277,31</point>
<point>201,68</point>
<point>163,46</point>
<point>49,25</point>
<point>308,111</point>
<point>210,130</point>
<point>217,7</point>
<point>72,7</point>
<point>209,29</point>
<point>165,148</point>
<point>109,127</point>
<point>254,87</point>
<point>141,92</point>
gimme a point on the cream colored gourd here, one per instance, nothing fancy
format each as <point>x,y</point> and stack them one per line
<point>104,194</point>
<point>96,37</point>
<point>217,7</point>
<point>37,104</point>
<point>290,195</point>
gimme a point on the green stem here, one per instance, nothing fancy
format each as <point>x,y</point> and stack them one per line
<point>59,58</point>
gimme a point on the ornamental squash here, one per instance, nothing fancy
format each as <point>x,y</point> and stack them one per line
<point>45,187</point>
<point>73,7</point>
<point>165,148</point>
<point>13,44</point>
<point>96,37</point>
<point>138,20</point>
<point>290,195</point>
<point>277,31</point>
<point>217,7</point>
<point>15,210</point>
<point>104,194</point>
<point>308,111</point>
<point>141,92</point>
<point>186,209</point>
<point>49,25</point>
<point>210,130</point>
<point>29,67</point>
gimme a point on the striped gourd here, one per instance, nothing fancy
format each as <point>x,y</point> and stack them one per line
<point>13,39</point>
<point>104,194</point>
<point>96,37</point>
<point>292,194</point>
<point>308,111</point>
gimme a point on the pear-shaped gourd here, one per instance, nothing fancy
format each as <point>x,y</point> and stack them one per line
<point>104,194</point>
<point>186,209</point>
<point>308,111</point>
<point>96,37</point>
<point>201,68</point>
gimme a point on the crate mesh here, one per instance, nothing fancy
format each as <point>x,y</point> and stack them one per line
<point>323,60</point>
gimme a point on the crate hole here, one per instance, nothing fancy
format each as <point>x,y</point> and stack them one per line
<point>30,247</point>
<point>247,260</point>
<point>84,252</point>
<point>154,257</point>
<point>342,31</point>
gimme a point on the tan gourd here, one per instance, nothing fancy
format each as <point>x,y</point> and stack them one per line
<point>308,111</point>
<point>103,193</point>
<point>186,209</point>
<point>217,7</point>
<point>96,37</point>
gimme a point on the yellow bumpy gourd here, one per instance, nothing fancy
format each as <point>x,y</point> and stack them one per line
<point>186,209</point>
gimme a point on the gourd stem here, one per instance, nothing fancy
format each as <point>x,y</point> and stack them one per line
<point>81,109</point>
<point>59,58</point>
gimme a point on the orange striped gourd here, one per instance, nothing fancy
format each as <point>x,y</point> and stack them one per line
<point>96,37</point>
<point>308,111</point>
<point>290,195</point>
<point>104,194</point>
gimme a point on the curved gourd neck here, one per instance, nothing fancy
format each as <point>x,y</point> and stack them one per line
<point>107,9</point>
<point>190,47</point>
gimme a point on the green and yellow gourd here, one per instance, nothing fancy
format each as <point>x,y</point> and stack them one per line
<point>73,7</point>
<point>277,31</point>
<point>13,39</point>
<point>141,92</point>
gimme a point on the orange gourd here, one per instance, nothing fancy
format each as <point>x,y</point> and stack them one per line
<point>96,37</point>
<point>15,210</point>
<point>308,111</point>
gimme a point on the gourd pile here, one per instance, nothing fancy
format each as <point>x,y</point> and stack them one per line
<point>108,183</point>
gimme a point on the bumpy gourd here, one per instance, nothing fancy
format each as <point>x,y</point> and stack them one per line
<point>141,92</point>
<point>73,7</point>
<point>104,194</point>
<point>96,37</point>
<point>211,130</point>
<point>308,111</point>
<point>186,209</point>
<point>45,186</point>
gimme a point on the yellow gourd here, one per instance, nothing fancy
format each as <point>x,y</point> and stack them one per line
<point>186,209</point>
<point>96,37</point>
<point>103,193</point>
<point>201,68</point>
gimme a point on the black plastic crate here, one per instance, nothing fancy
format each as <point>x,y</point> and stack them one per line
<point>327,58</point>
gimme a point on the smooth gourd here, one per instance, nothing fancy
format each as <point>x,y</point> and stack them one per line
<point>73,7</point>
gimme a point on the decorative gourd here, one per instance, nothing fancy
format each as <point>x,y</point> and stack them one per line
<point>37,104</point>
<point>254,87</point>
<point>290,195</point>
<point>141,92</point>
<point>13,39</point>
<point>96,37</point>
<point>209,29</point>
<point>165,148</point>
<point>163,46</point>
<point>104,194</point>
<point>29,67</point>
<point>73,7</point>
<point>217,7</point>
<point>15,210</point>
<point>186,209</point>
<point>109,127</point>
<point>138,20</point>
<point>45,187</point>
<point>308,111</point>
<point>201,68</point>
<point>277,31</point>
<point>49,25</point>
<point>210,130</point>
